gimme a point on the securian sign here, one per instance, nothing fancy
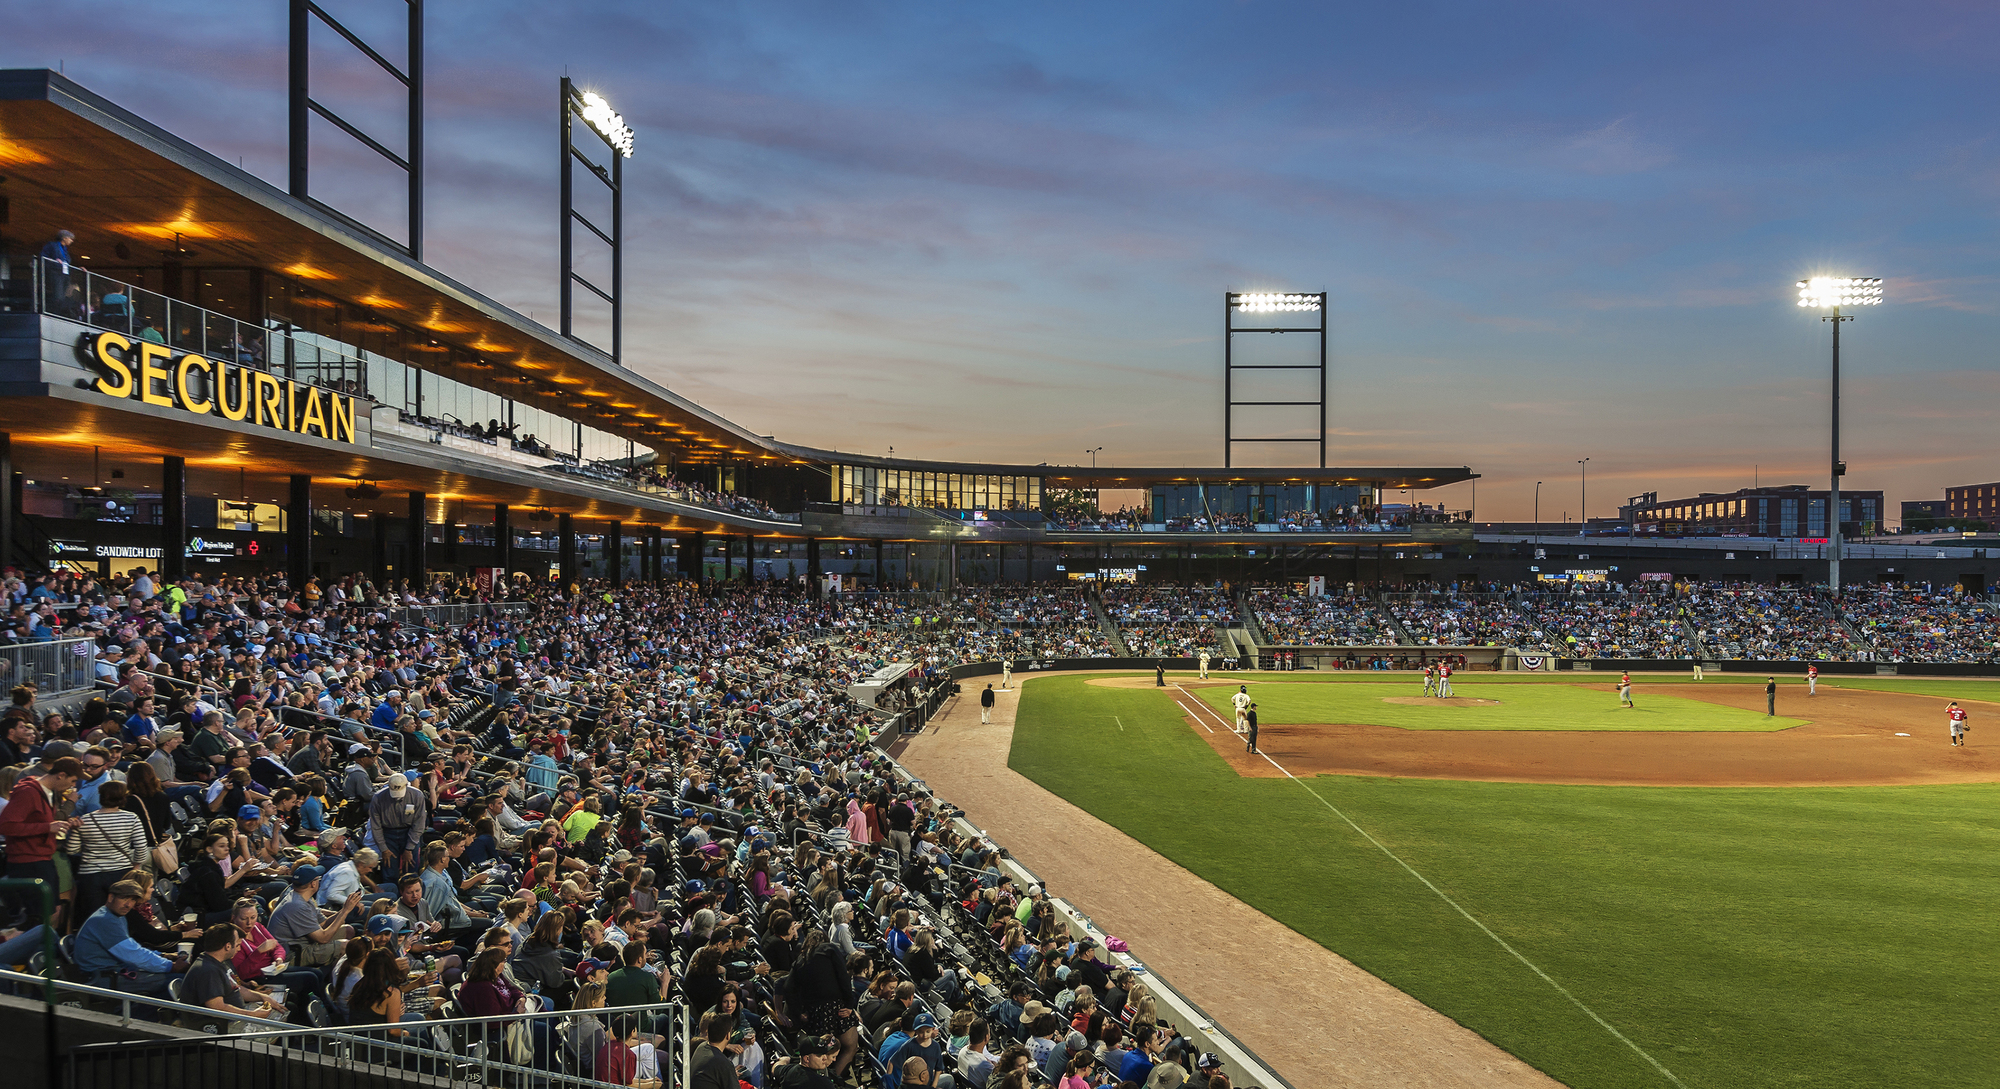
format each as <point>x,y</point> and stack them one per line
<point>195,383</point>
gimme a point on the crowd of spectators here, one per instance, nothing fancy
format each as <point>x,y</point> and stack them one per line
<point>1446,618</point>
<point>1612,620</point>
<point>1776,623</point>
<point>1910,624</point>
<point>1034,622</point>
<point>1340,617</point>
<point>1166,621</point>
<point>591,801</point>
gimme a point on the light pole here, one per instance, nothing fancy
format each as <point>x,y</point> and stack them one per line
<point>1583,508</point>
<point>1832,293</point>
<point>1538,506</point>
<point>1093,451</point>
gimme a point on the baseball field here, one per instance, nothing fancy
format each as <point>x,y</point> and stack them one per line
<point>1502,862</point>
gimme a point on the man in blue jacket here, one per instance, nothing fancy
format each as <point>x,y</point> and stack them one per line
<point>105,948</point>
<point>388,711</point>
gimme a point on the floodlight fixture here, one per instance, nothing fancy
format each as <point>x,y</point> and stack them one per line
<point>608,122</point>
<point>1833,293</point>
<point>1273,302</point>
<point>1827,292</point>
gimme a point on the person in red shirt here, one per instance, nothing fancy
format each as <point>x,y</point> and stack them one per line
<point>29,823</point>
<point>1953,712</point>
<point>617,1063</point>
<point>1812,680</point>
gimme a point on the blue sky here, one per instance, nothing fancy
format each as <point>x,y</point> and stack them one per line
<point>1551,231</point>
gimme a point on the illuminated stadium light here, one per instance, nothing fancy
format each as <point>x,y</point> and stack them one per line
<point>608,122</point>
<point>1824,292</point>
<point>1272,302</point>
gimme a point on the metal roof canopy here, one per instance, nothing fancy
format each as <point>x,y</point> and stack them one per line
<point>76,161</point>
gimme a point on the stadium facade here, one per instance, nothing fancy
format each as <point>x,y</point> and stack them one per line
<point>213,372</point>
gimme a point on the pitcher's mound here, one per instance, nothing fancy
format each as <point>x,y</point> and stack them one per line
<point>1448,701</point>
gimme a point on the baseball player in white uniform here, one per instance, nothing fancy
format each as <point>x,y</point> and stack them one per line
<point>1241,701</point>
<point>1007,672</point>
<point>1812,680</point>
<point>1203,660</point>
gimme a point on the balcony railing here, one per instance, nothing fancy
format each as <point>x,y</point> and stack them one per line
<point>104,302</point>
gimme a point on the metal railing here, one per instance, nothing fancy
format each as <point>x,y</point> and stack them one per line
<point>544,1050</point>
<point>107,303</point>
<point>57,667</point>
<point>432,615</point>
<point>548,1048</point>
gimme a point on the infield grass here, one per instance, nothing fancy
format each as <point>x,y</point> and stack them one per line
<point>1741,937</point>
<point>1550,705</point>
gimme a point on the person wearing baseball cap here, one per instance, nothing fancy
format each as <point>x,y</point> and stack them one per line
<point>388,711</point>
<point>809,1072</point>
<point>923,1043</point>
<point>397,817</point>
<point>315,937</point>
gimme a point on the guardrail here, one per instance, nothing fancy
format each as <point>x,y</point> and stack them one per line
<point>543,1048</point>
<point>57,667</point>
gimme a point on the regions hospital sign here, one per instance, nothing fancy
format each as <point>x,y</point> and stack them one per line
<point>150,372</point>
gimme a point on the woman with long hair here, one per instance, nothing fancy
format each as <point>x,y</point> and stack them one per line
<point>146,797</point>
<point>346,974</point>
<point>376,999</point>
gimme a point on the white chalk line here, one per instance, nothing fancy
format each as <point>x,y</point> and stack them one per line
<point>1469,917</point>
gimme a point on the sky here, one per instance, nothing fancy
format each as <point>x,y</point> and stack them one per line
<point>1549,231</point>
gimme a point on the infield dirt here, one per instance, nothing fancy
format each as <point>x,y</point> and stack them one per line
<point>1850,739</point>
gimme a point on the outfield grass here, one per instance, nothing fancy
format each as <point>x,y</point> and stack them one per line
<point>1547,706</point>
<point>1800,937</point>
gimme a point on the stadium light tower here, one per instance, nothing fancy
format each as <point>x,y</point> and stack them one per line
<point>1832,293</point>
<point>1583,500</point>
<point>597,114</point>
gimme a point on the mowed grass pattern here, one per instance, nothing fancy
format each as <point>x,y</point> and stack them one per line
<point>1548,706</point>
<point>1742,937</point>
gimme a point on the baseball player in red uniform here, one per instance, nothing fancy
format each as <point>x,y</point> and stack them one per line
<point>1812,680</point>
<point>1625,690</point>
<point>1957,715</point>
<point>1444,680</point>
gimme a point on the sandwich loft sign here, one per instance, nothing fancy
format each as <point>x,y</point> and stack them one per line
<point>150,372</point>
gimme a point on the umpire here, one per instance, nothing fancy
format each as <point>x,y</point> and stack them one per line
<point>1771,695</point>
<point>1250,728</point>
<point>986,705</point>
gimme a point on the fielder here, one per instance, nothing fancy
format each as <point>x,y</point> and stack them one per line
<point>1958,727</point>
<point>1444,680</point>
<point>1812,680</point>
<point>1430,680</point>
<point>1006,672</point>
<point>1241,701</point>
<point>1697,669</point>
<point>1203,660</point>
<point>1625,691</point>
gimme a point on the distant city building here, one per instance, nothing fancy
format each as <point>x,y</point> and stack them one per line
<point>1921,511</point>
<point>1972,502</point>
<point>1791,511</point>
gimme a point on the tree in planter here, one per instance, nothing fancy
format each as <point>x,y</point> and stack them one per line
<point>1070,504</point>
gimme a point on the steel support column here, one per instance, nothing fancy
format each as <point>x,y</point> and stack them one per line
<point>299,532</point>
<point>173,518</point>
<point>420,538</point>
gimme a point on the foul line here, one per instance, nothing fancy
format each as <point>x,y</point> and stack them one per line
<point>1469,917</point>
<point>1120,722</point>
